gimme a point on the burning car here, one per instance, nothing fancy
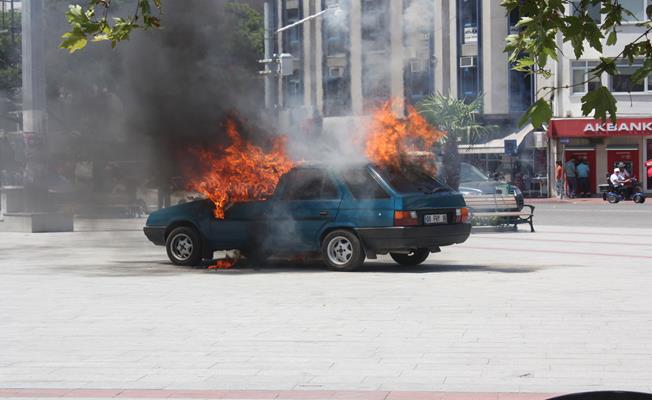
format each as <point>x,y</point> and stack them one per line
<point>346,214</point>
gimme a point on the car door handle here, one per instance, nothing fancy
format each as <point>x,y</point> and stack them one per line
<point>323,213</point>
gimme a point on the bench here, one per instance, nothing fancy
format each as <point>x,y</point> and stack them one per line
<point>498,205</point>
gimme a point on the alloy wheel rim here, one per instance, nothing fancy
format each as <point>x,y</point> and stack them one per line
<point>340,250</point>
<point>182,247</point>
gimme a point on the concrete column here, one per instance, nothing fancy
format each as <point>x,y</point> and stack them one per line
<point>453,55</point>
<point>495,68</point>
<point>397,86</point>
<point>319,54</point>
<point>279,39</point>
<point>308,59</point>
<point>34,100</point>
<point>356,58</point>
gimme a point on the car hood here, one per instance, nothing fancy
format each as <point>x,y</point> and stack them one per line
<point>486,187</point>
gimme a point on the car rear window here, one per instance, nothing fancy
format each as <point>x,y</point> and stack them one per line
<point>362,185</point>
<point>411,179</point>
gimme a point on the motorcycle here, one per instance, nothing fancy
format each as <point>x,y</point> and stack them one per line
<point>632,192</point>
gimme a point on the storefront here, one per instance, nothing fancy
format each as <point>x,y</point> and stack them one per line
<point>604,145</point>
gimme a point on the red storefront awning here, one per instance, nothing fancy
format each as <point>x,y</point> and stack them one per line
<point>589,127</point>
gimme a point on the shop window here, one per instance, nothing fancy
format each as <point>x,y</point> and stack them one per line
<point>622,82</point>
<point>593,10</point>
<point>581,72</point>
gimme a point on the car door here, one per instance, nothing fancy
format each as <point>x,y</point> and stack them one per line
<point>310,199</point>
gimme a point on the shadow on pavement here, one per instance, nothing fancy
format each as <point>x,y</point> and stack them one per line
<point>131,268</point>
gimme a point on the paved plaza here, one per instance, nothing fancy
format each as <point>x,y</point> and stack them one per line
<point>561,310</point>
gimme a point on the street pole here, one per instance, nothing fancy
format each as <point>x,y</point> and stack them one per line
<point>269,96</point>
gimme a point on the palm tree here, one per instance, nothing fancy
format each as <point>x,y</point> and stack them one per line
<point>458,120</point>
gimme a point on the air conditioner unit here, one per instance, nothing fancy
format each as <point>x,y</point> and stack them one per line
<point>467,62</point>
<point>417,66</point>
<point>336,72</point>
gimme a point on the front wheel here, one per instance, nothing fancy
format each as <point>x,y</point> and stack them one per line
<point>411,259</point>
<point>342,251</point>
<point>639,198</point>
<point>184,246</point>
<point>613,198</point>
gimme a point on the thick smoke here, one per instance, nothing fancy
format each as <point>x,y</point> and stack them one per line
<point>123,117</point>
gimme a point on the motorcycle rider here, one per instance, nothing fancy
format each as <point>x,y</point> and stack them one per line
<point>623,170</point>
<point>618,182</point>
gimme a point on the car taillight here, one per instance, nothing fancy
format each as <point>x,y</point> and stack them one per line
<point>406,218</point>
<point>462,215</point>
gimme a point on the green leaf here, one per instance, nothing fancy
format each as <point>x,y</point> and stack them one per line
<point>599,102</point>
<point>612,38</point>
<point>538,113</point>
<point>74,41</point>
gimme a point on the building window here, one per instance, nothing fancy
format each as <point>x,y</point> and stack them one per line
<point>581,72</point>
<point>521,84</point>
<point>293,44</point>
<point>637,8</point>
<point>375,51</point>
<point>622,82</point>
<point>335,64</point>
<point>469,49</point>
<point>468,17</point>
<point>592,9</point>
<point>417,40</point>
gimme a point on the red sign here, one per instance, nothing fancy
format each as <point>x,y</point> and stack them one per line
<point>588,127</point>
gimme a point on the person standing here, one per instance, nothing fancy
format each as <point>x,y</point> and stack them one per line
<point>583,170</point>
<point>559,179</point>
<point>571,177</point>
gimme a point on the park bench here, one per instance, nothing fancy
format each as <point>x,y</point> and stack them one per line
<point>485,207</point>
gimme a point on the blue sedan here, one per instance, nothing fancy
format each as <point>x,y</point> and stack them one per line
<point>346,214</point>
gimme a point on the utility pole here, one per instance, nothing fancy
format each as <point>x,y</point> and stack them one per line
<point>269,45</point>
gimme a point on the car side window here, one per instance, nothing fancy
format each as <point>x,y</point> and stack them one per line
<point>309,184</point>
<point>362,185</point>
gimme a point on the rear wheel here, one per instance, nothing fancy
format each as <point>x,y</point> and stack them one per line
<point>184,246</point>
<point>411,259</point>
<point>342,251</point>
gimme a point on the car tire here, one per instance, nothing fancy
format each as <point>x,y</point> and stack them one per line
<point>414,258</point>
<point>341,250</point>
<point>184,246</point>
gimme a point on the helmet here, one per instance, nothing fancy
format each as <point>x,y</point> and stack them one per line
<point>621,165</point>
<point>616,170</point>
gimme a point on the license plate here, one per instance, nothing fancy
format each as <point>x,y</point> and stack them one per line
<point>435,219</point>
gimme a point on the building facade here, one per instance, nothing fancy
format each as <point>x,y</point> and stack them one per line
<point>369,51</point>
<point>604,146</point>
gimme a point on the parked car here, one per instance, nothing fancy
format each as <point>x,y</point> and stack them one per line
<point>475,183</point>
<point>346,214</point>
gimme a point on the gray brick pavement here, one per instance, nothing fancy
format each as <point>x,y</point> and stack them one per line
<point>522,316</point>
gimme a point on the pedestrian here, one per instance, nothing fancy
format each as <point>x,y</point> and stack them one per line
<point>559,179</point>
<point>583,170</point>
<point>571,177</point>
<point>623,170</point>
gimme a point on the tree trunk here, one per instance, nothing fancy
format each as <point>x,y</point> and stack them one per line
<point>451,163</point>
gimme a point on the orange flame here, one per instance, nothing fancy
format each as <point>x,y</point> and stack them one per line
<point>391,139</point>
<point>243,171</point>
<point>224,263</point>
<point>239,172</point>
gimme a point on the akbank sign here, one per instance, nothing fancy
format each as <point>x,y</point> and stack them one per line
<point>620,127</point>
<point>584,127</point>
